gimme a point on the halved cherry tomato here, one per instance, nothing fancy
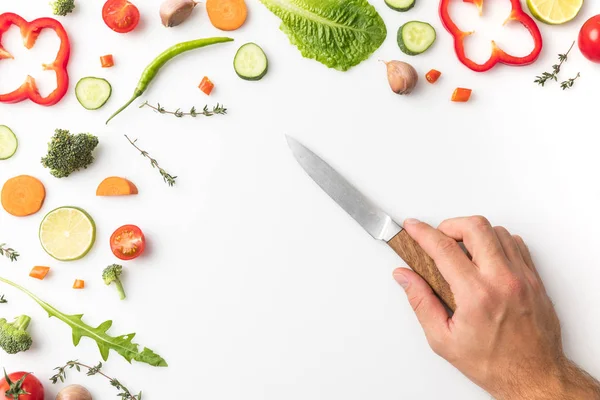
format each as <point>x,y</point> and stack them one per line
<point>120,15</point>
<point>17,389</point>
<point>127,242</point>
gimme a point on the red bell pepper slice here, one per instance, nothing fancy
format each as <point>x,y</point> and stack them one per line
<point>30,32</point>
<point>498,55</point>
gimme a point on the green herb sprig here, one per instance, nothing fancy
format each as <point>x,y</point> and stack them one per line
<point>61,375</point>
<point>3,300</point>
<point>219,109</point>
<point>168,178</point>
<point>569,82</point>
<point>553,76</point>
<point>11,254</point>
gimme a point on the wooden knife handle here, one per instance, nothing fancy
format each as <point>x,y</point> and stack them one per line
<point>422,264</point>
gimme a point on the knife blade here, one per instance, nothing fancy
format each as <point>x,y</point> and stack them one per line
<point>375,221</point>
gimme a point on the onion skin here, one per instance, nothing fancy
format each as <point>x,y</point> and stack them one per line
<point>402,77</point>
<point>174,12</point>
<point>74,392</point>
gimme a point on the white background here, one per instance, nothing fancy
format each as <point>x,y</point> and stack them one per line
<point>255,285</point>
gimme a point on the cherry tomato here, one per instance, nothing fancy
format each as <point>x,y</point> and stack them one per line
<point>30,385</point>
<point>120,15</point>
<point>127,242</point>
<point>589,39</point>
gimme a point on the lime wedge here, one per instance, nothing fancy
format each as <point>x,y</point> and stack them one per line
<point>554,12</point>
<point>67,233</point>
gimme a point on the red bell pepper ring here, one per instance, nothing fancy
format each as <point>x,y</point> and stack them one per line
<point>498,55</point>
<point>30,32</point>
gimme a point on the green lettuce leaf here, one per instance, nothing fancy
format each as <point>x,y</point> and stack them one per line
<point>337,33</point>
<point>121,344</point>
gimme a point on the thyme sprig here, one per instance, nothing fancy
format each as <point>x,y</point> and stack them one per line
<point>219,109</point>
<point>553,76</point>
<point>168,178</point>
<point>61,375</point>
<point>3,300</point>
<point>569,82</point>
<point>8,252</point>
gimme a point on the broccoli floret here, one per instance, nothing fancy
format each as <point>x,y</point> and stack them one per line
<point>14,337</point>
<point>62,7</point>
<point>68,153</point>
<point>111,274</point>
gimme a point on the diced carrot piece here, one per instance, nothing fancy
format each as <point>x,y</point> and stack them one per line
<point>79,284</point>
<point>116,186</point>
<point>206,86</point>
<point>461,95</point>
<point>107,61</point>
<point>433,75</point>
<point>39,272</point>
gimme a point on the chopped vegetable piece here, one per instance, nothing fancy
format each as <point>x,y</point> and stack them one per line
<point>400,5</point>
<point>250,62</point>
<point>30,32</point>
<point>120,15</point>
<point>206,86</point>
<point>227,15</point>
<point>433,75</point>
<point>152,69</point>
<point>62,7</point>
<point>128,242</point>
<point>8,143</point>
<point>23,195</point>
<point>79,284</point>
<point>116,186</point>
<point>554,12</point>
<point>92,93</point>
<point>39,272</point>
<point>68,153</point>
<point>107,61</point>
<point>67,233</point>
<point>461,95</point>
<point>112,274</point>
<point>415,37</point>
<point>14,337</point>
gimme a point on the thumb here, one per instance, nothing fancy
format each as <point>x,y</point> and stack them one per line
<point>429,309</point>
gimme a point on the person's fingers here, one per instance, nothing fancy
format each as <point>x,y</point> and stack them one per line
<point>509,245</point>
<point>450,259</point>
<point>429,309</point>
<point>524,250</point>
<point>478,237</point>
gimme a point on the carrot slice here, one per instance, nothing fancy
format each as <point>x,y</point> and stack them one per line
<point>116,186</point>
<point>23,195</point>
<point>227,15</point>
<point>79,284</point>
<point>39,272</point>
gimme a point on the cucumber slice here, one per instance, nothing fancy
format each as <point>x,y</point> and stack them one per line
<point>92,93</point>
<point>250,62</point>
<point>400,5</point>
<point>415,37</point>
<point>8,143</point>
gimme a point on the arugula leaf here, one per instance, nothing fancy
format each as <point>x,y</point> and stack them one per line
<point>337,33</point>
<point>121,344</point>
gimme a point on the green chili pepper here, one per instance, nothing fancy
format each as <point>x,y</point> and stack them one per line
<point>152,70</point>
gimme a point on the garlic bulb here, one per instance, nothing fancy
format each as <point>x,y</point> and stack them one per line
<point>174,12</point>
<point>74,392</point>
<point>402,77</point>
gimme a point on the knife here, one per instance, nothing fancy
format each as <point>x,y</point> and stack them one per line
<point>376,222</point>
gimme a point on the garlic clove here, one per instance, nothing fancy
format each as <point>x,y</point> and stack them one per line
<point>402,77</point>
<point>74,392</point>
<point>174,12</point>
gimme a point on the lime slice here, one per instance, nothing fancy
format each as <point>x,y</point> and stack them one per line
<point>554,12</point>
<point>67,233</point>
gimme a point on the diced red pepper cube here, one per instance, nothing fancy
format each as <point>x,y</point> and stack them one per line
<point>107,61</point>
<point>206,86</point>
<point>461,95</point>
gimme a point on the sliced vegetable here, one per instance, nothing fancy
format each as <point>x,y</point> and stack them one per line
<point>116,186</point>
<point>498,55</point>
<point>338,33</point>
<point>415,37</point>
<point>174,12</point>
<point>92,93</point>
<point>67,233</point>
<point>121,344</point>
<point>206,86</point>
<point>227,15</point>
<point>107,61</point>
<point>127,242</point>
<point>589,39</point>
<point>120,15</point>
<point>555,12</point>
<point>30,32</point>
<point>433,76</point>
<point>8,143</point>
<point>23,195</point>
<point>39,272</point>
<point>461,95</point>
<point>79,284</point>
<point>152,70</point>
<point>250,62</point>
<point>21,386</point>
<point>402,77</point>
<point>400,5</point>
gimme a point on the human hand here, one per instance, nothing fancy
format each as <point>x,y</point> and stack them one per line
<point>505,335</point>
